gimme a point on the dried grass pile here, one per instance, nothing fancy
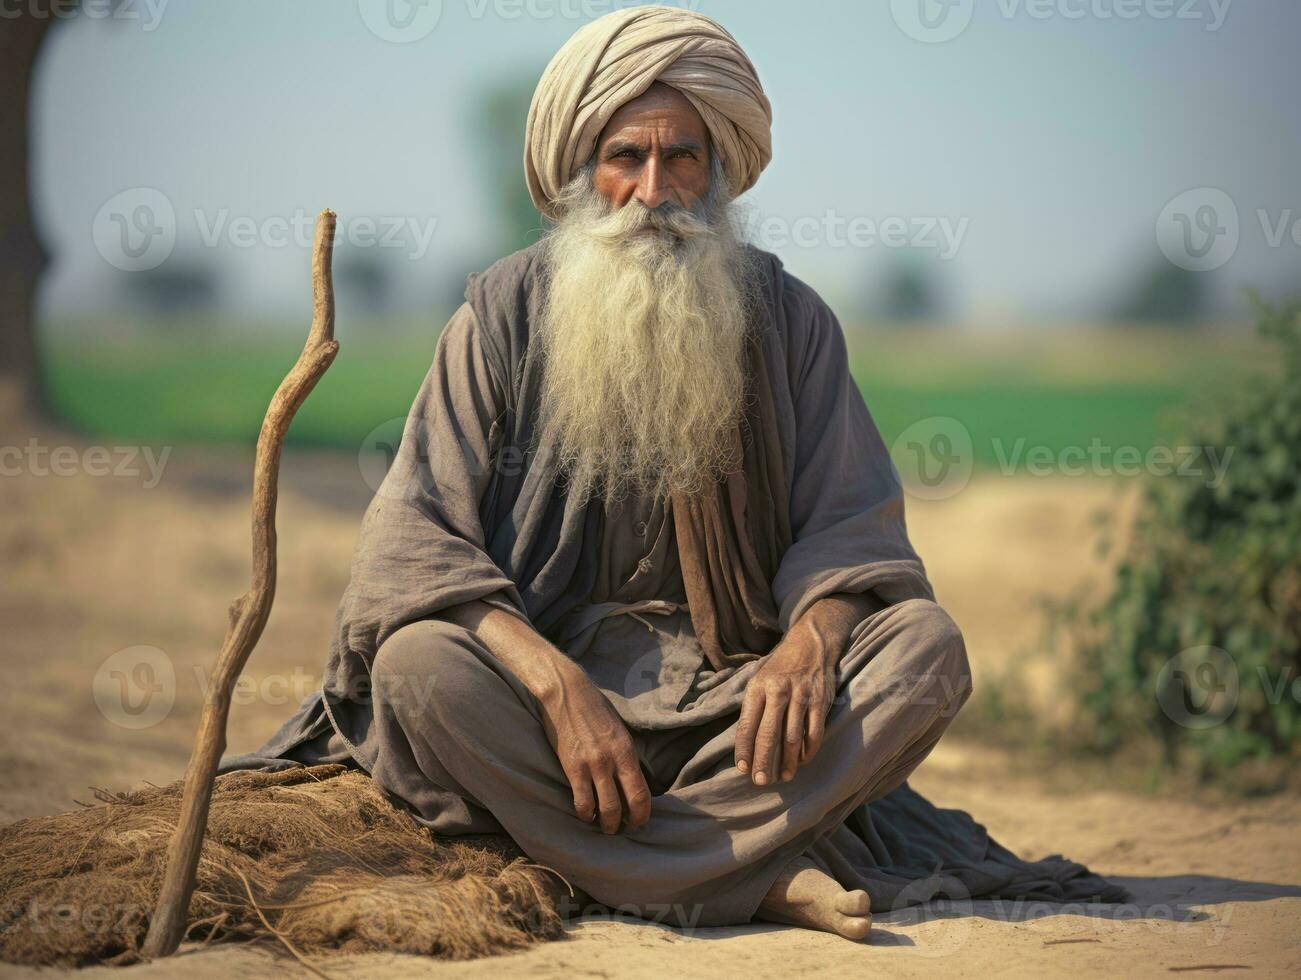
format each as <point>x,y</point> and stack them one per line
<point>313,859</point>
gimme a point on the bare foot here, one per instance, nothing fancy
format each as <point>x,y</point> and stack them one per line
<point>806,896</point>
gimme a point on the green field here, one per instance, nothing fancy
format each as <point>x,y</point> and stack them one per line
<point>1053,387</point>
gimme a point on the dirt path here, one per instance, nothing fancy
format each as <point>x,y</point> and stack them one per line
<point>1209,885</point>
<point>95,566</point>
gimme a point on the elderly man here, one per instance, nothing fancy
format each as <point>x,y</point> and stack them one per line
<point>637,589</point>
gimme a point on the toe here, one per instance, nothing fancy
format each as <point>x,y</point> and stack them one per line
<point>855,927</point>
<point>854,903</point>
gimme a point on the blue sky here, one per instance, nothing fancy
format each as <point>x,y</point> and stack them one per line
<point>1050,133</point>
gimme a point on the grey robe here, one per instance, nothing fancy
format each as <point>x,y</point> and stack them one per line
<point>470,511</point>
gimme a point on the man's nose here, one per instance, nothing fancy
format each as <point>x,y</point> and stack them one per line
<point>652,191</point>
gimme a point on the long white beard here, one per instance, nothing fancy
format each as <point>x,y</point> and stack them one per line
<point>644,333</point>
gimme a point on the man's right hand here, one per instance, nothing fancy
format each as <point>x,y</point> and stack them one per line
<point>590,739</point>
<point>596,753</point>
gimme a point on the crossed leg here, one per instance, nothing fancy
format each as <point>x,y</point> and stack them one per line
<point>462,742</point>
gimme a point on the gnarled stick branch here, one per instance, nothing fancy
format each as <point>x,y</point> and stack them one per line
<point>248,613</point>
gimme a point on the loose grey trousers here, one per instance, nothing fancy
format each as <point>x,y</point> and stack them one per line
<point>460,740</point>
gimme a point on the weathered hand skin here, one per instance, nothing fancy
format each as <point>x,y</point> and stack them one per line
<point>784,713</point>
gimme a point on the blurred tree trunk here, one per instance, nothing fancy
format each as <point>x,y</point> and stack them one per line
<point>22,258</point>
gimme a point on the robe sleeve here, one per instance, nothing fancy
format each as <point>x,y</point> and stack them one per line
<point>846,501</point>
<point>422,544</point>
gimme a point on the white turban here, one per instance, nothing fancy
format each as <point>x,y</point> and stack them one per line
<point>616,58</point>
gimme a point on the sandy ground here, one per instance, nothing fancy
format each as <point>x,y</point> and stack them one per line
<point>99,565</point>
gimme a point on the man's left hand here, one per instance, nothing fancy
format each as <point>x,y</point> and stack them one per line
<point>784,713</point>
<point>785,707</point>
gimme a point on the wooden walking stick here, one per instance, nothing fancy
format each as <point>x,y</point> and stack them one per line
<point>248,613</point>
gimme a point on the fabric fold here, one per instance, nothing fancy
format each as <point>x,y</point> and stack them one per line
<point>731,537</point>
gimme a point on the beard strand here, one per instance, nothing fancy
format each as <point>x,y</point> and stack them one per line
<point>643,330</point>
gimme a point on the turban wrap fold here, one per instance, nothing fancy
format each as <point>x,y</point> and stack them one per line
<point>614,59</point>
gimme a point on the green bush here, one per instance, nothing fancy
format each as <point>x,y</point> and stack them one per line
<point>1207,566</point>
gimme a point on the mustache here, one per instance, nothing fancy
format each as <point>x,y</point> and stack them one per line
<point>634,218</point>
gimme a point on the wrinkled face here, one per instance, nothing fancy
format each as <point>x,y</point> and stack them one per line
<point>654,149</point>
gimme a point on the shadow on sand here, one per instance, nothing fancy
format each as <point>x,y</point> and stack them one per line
<point>1167,898</point>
